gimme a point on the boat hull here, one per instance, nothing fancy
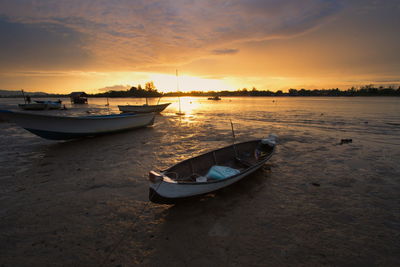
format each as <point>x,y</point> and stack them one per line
<point>64,128</point>
<point>170,193</point>
<point>50,104</point>
<point>144,108</point>
<point>41,105</point>
<point>33,106</point>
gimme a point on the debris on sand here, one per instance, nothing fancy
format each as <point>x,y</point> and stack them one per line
<point>345,141</point>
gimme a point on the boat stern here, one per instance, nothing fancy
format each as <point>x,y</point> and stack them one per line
<point>155,177</point>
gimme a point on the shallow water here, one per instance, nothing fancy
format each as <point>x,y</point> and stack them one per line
<point>315,202</point>
<point>294,119</point>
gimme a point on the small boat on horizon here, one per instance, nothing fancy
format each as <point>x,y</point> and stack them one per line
<point>210,171</point>
<point>214,98</point>
<point>65,127</point>
<point>143,108</point>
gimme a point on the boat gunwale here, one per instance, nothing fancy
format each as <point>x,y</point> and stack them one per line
<point>261,162</point>
<point>159,105</point>
<point>91,117</point>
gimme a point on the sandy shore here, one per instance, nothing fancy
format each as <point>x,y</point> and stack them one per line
<point>85,202</point>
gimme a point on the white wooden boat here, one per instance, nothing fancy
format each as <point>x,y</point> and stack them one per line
<point>33,106</point>
<point>64,127</point>
<point>41,105</point>
<point>143,108</point>
<point>196,176</point>
<point>50,104</point>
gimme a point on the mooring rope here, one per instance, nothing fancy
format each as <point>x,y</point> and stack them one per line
<point>118,243</point>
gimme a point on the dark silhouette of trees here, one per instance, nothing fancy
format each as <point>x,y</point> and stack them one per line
<point>367,90</point>
<point>151,91</point>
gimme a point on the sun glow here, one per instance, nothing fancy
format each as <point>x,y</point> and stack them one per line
<point>186,83</point>
<point>163,82</point>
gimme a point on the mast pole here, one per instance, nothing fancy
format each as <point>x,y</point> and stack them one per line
<point>234,138</point>
<point>23,95</point>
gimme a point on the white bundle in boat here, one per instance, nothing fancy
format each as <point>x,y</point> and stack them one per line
<point>221,172</point>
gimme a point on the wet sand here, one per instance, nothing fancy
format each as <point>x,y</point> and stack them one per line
<point>85,202</point>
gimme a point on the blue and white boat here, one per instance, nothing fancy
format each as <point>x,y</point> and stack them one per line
<point>210,171</point>
<point>50,104</point>
<point>41,105</point>
<point>66,127</point>
<point>33,106</point>
<point>144,108</point>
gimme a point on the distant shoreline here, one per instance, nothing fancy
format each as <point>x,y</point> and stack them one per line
<point>152,92</point>
<point>186,95</point>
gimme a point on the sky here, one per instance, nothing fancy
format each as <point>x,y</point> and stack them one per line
<point>99,45</point>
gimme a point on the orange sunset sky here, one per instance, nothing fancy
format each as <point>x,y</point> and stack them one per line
<point>98,45</point>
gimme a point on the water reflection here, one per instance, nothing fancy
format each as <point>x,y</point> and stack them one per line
<point>374,115</point>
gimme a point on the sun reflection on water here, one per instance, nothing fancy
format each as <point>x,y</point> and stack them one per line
<point>188,105</point>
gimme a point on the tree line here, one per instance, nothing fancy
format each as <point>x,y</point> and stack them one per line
<point>151,91</point>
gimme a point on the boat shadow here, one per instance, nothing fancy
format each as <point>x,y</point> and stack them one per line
<point>115,137</point>
<point>117,161</point>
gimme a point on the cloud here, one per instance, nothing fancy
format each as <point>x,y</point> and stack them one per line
<point>41,45</point>
<point>115,88</point>
<point>125,34</point>
<point>225,51</point>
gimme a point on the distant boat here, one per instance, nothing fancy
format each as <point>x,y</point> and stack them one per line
<point>214,98</point>
<point>78,98</point>
<point>210,171</point>
<point>41,105</point>
<point>180,113</point>
<point>64,127</point>
<point>143,108</point>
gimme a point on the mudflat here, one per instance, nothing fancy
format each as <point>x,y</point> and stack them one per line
<point>316,202</point>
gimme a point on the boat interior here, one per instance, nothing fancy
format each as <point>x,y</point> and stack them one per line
<point>239,157</point>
